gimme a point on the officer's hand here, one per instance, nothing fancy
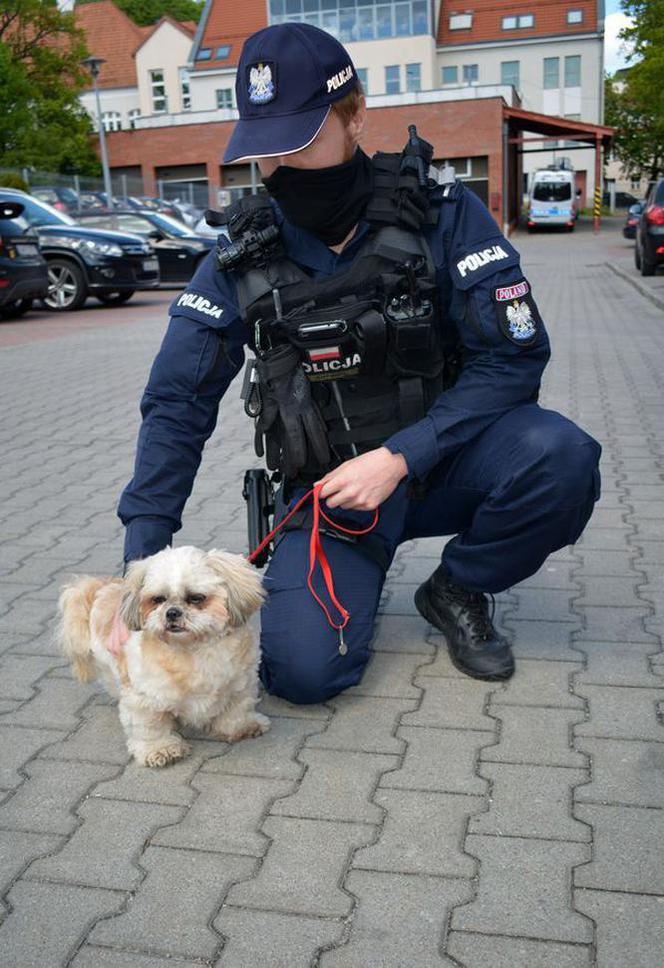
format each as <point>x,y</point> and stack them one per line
<point>119,634</point>
<point>364,482</point>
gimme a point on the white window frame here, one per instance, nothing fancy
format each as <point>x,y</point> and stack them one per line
<point>518,21</point>
<point>131,117</point>
<point>154,84</point>
<point>112,121</point>
<point>569,58</point>
<point>398,78</point>
<point>228,96</point>
<point>414,90</point>
<point>461,21</point>
<point>185,88</point>
<point>518,73</point>
<point>476,79</point>
<point>575,16</point>
<point>449,67</point>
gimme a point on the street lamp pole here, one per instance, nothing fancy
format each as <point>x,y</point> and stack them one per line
<point>94,64</point>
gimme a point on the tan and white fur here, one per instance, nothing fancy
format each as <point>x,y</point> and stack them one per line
<point>190,656</point>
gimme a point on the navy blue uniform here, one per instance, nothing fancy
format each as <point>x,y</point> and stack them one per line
<point>512,481</point>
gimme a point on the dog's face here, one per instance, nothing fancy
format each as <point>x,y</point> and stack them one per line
<point>185,595</point>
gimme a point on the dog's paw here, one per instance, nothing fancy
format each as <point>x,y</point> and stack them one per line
<point>256,726</point>
<point>165,755</point>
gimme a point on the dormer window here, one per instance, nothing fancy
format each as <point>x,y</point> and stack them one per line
<point>521,21</point>
<point>204,53</point>
<point>575,16</point>
<point>461,21</point>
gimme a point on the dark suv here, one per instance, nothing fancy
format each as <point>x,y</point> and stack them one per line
<point>649,248</point>
<point>23,274</point>
<point>83,261</point>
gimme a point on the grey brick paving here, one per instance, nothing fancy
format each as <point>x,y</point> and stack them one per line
<point>421,818</point>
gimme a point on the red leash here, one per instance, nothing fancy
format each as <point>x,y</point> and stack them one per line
<point>317,556</point>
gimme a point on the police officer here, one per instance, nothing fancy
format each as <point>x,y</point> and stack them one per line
<point>481,461</point>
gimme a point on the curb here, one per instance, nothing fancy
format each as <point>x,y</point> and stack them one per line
<point>651,296</point>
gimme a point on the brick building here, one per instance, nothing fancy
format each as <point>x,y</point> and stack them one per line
<point>455,70</point>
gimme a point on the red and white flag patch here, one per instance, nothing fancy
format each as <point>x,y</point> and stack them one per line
<point>324,353</point>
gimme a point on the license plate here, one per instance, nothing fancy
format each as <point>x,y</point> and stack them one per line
<point>150,265</point>
<point>26,248</point>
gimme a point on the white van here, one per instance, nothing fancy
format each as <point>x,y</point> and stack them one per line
<point>553,198</point>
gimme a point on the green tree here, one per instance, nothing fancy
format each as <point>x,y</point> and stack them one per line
<point>145,12</point>
<point>635,99</point>
<point>42,122</point>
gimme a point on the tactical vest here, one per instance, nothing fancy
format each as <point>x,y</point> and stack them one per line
<point>371,338</point>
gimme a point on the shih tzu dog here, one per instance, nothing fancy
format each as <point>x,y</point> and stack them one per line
<point>190,657</point>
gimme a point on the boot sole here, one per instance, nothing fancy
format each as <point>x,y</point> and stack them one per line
<point>423,606</point>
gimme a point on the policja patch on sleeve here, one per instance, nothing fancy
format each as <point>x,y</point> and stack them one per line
<point>518,316</point>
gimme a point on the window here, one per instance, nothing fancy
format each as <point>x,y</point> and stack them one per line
<point>363,78</point>
<point>450,75</point>
<point>470,73</point>
<point>413,77</point>
<point>184,89</point>
<point>551,72</point>
<point>509,73</point>
<point>224,97</point>
<point>223,52</point>
<point>204,53</point>
<point>552,191</point>
<point>132,115</point>
<point>352,20</point>
<point>519,22</point>
<point>575,16</point>
<point>112,120</point>
<point>461,21</point>
<point>158,87</point>
<point>392,79</point>
<point>573,71</point>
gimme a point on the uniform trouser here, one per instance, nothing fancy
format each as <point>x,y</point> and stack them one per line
<point>522,489</point>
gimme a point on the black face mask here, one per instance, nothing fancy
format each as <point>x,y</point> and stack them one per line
<point>327,202</point>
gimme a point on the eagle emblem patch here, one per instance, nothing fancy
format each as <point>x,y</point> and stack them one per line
<point>517,313</point>
<point>261,84</point>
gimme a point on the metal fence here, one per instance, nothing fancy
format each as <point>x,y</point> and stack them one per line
<point>194,192</point>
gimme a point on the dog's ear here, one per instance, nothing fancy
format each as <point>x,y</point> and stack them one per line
<point>242,583</point>
<point>130,609</point>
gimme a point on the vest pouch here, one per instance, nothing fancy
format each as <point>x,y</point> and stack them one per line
<point>414,347</point>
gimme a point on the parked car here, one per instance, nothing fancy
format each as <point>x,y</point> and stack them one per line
<point>177,247</point>
<point>85,261</point>
<point>623,199</point>
<point>64,199</point>
<point>632,220</point>
<point>649,246</point>
<point>23,270</point>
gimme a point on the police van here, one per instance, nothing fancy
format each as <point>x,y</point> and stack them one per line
<point>553,197</point>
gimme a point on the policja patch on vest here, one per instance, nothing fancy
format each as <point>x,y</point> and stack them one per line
<point>517,313</point>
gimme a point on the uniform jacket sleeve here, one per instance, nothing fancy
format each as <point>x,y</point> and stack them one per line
<point>202,351</point>
<point>479,270</point>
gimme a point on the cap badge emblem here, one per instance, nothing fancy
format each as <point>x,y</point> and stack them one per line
<point>261,84</point>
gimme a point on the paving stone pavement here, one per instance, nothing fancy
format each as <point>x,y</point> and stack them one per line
<point>421,818</point>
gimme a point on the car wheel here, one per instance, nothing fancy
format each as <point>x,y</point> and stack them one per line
<point>115,298</point>
<point>12,310</point>
<point>67,288</point>
<point>647,268</point>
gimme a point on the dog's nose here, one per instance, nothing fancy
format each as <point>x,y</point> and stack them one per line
<point>173,613</point>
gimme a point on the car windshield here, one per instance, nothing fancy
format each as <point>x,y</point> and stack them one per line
<point>170,225</point>
<point>560,191</point>
<point>41,213</point>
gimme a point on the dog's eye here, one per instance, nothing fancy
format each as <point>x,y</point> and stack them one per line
<point>158,599</point>
<point>195,599</point>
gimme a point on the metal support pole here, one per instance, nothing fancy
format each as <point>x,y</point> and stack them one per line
<point>597,211</point>
<point>125,191</point>
<point>77,189</point>
<point>102,146</point>
<point>254,177</point>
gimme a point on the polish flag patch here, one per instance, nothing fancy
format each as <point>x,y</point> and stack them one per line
<point>507,293</point>
<point>324,353</point>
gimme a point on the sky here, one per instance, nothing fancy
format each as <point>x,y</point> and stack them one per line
<point>614,52</point>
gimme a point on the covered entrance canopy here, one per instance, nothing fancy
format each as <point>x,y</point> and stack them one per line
<point>515,122</point>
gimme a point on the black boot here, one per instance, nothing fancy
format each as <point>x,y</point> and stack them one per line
<point>463,617</point>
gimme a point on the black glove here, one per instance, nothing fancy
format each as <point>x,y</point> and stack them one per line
<point>289,420</point>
